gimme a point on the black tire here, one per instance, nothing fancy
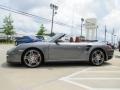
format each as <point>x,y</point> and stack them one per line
<point>32,58</point>
<point>97,57</point>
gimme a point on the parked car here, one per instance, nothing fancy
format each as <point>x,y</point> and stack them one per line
<point>27,39</point>
<point>57,49</point>
<point>119,46</point>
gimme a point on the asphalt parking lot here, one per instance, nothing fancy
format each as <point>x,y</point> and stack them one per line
<point>59,76</point>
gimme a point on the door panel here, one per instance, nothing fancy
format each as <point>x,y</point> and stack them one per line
<point>65,51</point>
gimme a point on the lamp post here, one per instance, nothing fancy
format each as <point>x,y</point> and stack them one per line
<point>54,8</point>
<point>82,20</point>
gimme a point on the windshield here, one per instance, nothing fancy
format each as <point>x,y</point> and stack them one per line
<point>50,39</point>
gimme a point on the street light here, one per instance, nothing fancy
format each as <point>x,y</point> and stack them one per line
<point>82,20</point>
<point>54,8</point>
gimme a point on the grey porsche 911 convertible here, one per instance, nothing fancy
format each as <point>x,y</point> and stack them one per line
<point>59,49</point>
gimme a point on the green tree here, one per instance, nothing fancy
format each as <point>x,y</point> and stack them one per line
<point>41,30</point>
<point>8,26</point>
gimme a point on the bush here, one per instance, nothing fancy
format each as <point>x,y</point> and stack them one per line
<point>7,41</point>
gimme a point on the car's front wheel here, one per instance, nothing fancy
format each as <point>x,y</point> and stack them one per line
<point>32,58</point>
<point>97,57</point>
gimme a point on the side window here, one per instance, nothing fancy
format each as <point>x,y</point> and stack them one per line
<point>65,39</point>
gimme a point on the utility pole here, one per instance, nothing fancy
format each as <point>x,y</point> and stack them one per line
<point>82,20</point>
<point>54,8</point>
<point>112,35</point>
<point>119,45</point>
<point>105,33</point>
<point>96,31</point>
<point>115,39</point>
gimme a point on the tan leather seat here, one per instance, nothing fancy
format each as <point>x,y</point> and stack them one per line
<point>77,39</point>
<point>71,39</point>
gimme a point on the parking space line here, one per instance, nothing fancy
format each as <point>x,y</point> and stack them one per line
<point>89,88</point>
<point>78,84</point>
<point>117,71</point>
<point>69,78</point>
<point>106,89</point>
<point>76,73</point>
<point>97,78</point>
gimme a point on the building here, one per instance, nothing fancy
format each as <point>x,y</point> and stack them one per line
<point>91,26</point>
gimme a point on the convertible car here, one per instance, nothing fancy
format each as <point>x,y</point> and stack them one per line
<point>57,48</point>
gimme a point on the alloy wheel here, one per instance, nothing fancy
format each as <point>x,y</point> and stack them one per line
<point>98,57</point>
<point>32,58</point>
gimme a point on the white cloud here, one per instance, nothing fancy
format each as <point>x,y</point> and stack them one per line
<point>41,11</point>
<point>73,10</point>
<point>112,21</point>
<point>24,24</point>
<point>25,5</point>
<point>70,12</point>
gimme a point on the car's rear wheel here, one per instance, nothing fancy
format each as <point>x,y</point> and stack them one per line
<point>32,58</point>
<point>97,57</point>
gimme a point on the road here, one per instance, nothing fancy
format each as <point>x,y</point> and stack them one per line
<point>59,76</point>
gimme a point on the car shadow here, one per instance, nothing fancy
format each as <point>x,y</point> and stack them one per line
<point>7,65</point>
<point>52,65</point>
<point>117,56</point>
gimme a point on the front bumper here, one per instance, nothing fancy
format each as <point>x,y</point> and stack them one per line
<point>13,56</point>
<point>13,59</point>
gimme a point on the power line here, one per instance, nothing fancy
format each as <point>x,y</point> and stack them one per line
<point>20,12</point>
<point>31,15</point>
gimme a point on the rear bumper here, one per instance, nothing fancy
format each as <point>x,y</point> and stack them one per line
<point>110,54</point>
<point>110,57</point>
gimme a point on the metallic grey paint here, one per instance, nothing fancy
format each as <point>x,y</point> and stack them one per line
<point>62,51</point>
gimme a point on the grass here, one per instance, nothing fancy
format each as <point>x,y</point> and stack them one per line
<point>7,42</point>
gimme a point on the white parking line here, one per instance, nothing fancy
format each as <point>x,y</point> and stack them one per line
<point>97,78</point>
<point>106,89</point>
<point>69,78</point>
<point>76,73</point>
<point>78,84</point>
<point>117,71</point>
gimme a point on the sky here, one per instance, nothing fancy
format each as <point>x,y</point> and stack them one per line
<point>107,12</point>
